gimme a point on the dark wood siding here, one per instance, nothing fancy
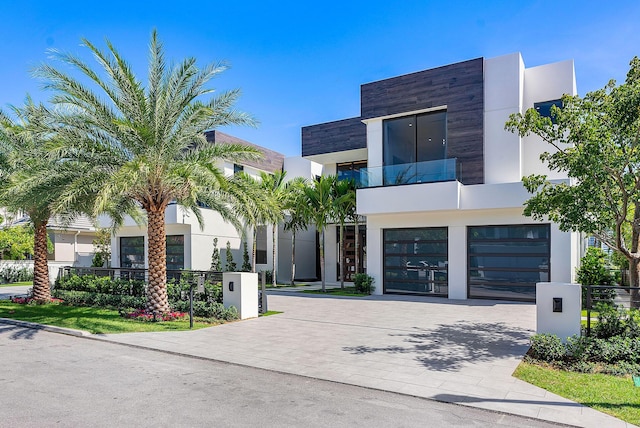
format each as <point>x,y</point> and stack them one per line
<point>271,161</point>
<point>460,87</point>
<point>330,137</point>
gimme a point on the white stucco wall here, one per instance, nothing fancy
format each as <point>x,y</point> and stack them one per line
<point>503,83</point>
<point>544,83</point>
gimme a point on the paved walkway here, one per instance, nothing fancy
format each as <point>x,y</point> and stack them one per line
<point>460,352</point>
<point>8,292</point>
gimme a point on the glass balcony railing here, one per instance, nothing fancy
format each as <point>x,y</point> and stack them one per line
<point>409,173</point>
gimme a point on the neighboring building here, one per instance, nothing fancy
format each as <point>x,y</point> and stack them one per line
<point>190,247</point>
<point>441,180</point>
<point>72,241</point>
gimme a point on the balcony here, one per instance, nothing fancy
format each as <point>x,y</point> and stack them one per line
<point>409,173</point>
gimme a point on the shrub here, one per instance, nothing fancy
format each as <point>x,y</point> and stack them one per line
<point>547,347</point>
<point>363,283</point>
<point>86,298</point>
<point>101,284</point>
<point>143,315</point>
<point>11,274</point>
<point>207,310</point>
<point>594,271</point>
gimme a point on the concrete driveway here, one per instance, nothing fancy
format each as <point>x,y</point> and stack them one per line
<point>453,351</point>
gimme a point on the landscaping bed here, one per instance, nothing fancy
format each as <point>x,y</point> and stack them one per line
<point>106,305</point>
<point>595,370</point>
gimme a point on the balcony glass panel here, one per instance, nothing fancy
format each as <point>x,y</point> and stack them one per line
<point>409,173</point>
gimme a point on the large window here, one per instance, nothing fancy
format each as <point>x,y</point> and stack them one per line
<point>350,170</point>
<point>132,252</point>
<point>415,138</point>
<point>505,262</point>
<point>415,261</point>
<point>261,245</point>
<point>544,108</point>
<point>175,252</point>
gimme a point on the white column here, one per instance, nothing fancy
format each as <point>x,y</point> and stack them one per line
<point>457,262</point>
<point>375,257</point>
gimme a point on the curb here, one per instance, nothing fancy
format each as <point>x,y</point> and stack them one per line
<point>43,327</point>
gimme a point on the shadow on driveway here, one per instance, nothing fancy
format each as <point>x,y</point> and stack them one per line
<point>448,347</point>
<point>18,333</point>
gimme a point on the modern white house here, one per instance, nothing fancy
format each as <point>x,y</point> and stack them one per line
<point>440,180</point>
<point>190,247</point>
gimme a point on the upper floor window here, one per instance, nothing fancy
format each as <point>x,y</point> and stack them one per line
<point>237,168</point>
<point>350,170</point>
<point>415,138</point>
<point>544,108</point>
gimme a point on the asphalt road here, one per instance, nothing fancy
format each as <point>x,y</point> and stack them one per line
<point>49,379</point>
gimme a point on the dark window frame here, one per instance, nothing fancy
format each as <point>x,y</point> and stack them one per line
<point>415,117</point>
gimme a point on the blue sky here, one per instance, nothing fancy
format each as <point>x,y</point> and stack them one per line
<point>300,63</point>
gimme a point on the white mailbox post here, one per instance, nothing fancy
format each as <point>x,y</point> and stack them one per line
<point>240,289</point>
<point>558,309</point>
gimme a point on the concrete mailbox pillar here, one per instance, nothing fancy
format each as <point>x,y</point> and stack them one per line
<point>240,289</point>
<point>558,309</point>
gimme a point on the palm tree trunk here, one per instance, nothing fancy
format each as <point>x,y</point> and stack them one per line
<point>41,287</point>
<point>324,290</point>
<point>293,256</point>
<point>157,301</point>
<point>254,249</point>
<point>341,252</point>
<point>274,244</point>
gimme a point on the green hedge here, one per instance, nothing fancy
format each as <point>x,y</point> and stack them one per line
<point>103,300</point>
<point>101,284</point>
<point>90,290</point>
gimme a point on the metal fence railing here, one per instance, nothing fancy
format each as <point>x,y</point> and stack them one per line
<point>594,296</point>
<point>138,274</point>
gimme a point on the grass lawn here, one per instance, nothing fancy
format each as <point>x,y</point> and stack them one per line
<point>93,320</point>
<point>346,291</point>
<point>18,284</point>
<point>614,395</point>
<point>266,314</point>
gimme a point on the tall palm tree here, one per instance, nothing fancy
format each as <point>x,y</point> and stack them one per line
<point>296,216</point>
<point>319,198</point>
<point>275,189</point>
<point>36,183</point>
<point>148,141</point>
<point>343,206</point>
<point>257,211</point>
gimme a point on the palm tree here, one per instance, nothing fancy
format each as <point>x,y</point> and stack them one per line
<point>258,208</point>
<point>148,141</point>
<point>343,207</point>
<point>36,183</point>
<point>275,190</point>
<point>319,200</point>
<point>296,216</point>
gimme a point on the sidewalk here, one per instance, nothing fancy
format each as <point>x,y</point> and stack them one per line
<point>454,351</point>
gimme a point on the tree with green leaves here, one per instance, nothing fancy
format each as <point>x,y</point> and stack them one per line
<point>344,205</point>
<point>37,183</point>
<point>16,243</point>
<point>231,265</point>
<point>296,217</point>
<point>320,208</point>
<point>146,142</point>
<point>246,261</point>
<point>276,192</point>
<point>215,257</point>
<point>595,141</point>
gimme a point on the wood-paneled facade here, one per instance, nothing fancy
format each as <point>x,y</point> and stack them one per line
<point>459,87</point>
<point>331,137</point>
